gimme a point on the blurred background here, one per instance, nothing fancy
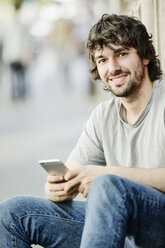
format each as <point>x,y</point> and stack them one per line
<point>46,94</point>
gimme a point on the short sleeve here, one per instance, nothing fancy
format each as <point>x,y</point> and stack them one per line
<point>89,149</point>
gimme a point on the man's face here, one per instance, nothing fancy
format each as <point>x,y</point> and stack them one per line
<point>121,69</point>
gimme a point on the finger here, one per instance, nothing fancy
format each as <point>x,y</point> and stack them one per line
<point>71,174</point>
<point>55,178</point>
<point>85,193</point>
<point>74,189</point>
<point>56,186</point>
<point>60,197</point>
<point>63,193</point>
<point>72,183</point>
<point>81,188</point>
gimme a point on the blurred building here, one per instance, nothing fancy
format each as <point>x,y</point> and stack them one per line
<point>151,13</point>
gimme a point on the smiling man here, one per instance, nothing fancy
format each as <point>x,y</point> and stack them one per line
<point>121,69</point>
<point>118,163</point>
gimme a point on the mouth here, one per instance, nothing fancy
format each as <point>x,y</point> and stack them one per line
<point>119,79</point>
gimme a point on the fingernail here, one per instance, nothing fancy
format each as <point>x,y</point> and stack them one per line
<point>60,177</point>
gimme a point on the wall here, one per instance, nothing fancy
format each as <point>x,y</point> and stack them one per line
<point>151,13</point>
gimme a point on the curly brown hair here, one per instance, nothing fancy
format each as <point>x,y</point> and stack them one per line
<point>127,32</point>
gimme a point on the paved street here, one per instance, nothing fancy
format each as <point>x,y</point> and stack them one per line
<point>46,126</point>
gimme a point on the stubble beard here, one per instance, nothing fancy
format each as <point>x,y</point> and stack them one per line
<point>132,88</point>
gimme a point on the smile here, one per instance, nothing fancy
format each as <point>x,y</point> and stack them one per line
<point>118,79</point>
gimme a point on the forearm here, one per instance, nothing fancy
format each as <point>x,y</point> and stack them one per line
<point>154,178</point>
<point>79,174</point>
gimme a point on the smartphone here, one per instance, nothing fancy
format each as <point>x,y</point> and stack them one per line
<point>54,166</point>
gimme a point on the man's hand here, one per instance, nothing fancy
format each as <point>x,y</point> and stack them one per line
<point>54,189</point>
<point>83,178</point>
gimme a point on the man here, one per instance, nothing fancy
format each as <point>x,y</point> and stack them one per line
<point>16,53</point>
<point>125,199</point>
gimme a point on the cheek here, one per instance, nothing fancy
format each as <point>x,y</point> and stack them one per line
<point>101,72</point>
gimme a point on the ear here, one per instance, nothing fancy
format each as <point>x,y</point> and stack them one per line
<point>146,61</point>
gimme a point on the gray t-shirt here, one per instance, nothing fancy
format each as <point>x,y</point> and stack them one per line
<point>108,140</point>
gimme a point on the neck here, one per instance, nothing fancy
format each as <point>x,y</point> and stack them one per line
<point>134,105</point>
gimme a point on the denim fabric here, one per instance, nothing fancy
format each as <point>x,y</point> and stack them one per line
<point>116,207</point>
<point>28,220</point>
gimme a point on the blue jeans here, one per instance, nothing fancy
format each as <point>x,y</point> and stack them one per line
<point>118,213</point>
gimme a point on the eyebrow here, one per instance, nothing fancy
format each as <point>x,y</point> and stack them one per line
<point>114,50</point>
<point>119,49</point>
<point>99,57</point>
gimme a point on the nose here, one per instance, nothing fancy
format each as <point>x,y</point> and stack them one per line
<point>113,66</point>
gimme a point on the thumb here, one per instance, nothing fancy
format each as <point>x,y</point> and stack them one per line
<point>71,174</point>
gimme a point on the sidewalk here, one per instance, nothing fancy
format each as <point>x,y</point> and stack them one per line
<point>45,126</point>
<point>42,128</point>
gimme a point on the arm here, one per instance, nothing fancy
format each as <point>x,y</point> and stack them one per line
<point>85,175</point>
<point>153,177</point>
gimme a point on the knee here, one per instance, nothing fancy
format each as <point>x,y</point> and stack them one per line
<point>110,185</point>
<point>7,213</point>
<point>108,181</point>
<point>11,209</point>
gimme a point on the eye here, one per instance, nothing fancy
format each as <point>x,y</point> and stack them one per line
<point>122,54</point>
<point>101,61</point>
